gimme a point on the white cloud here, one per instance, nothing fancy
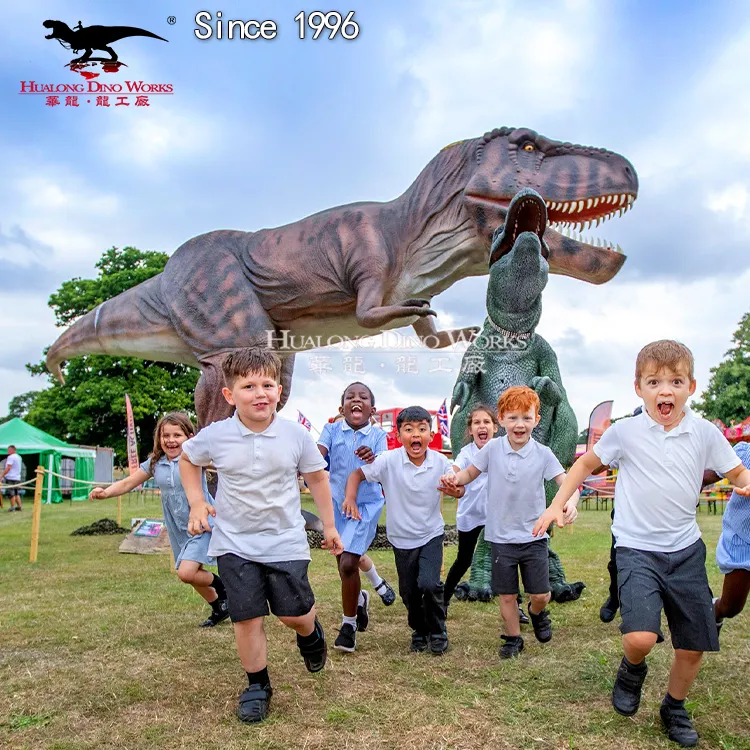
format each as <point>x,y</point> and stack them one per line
<point>733,201</point>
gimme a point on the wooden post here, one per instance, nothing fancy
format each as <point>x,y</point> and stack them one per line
<point>36,514</point>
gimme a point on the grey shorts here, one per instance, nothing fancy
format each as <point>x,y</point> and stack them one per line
<point>674,581</point>
<point>253,587</point>
<point>532,560</point>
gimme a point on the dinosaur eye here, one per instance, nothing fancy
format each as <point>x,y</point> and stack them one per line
<point>529,147</point>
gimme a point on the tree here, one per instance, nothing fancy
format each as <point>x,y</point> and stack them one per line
<point>90,408</point>
<point>19,406</point>
<point>727,396</point>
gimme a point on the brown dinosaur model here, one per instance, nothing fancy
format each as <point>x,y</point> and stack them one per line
<point>358,269</point>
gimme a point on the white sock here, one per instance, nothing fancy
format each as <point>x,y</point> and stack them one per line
<point>373,577</point>
<point>349,621</point>
<point>361,600</point>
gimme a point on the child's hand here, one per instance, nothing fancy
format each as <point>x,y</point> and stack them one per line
<point>570,511</point>
<point>551,515</point>
<point>743,490</point>
<point>332,540</point>
<point>363,453</point>
<point>452,491</point>
<point>98,493</point>
<point>198,521</point>
<point>350,510</point>
<point>449,480</point>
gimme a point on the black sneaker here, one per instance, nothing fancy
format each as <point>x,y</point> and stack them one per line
<point>363,612</point>
<point>346,639</point>
<point>523,618</point>
<point>254,702</point>
<point>217,615</point>
<point>678,725</point>
<point>512,647</point>
<point>385,592</point>
<point>609,609</point>
<point>418,642</point>
<point>314,654</point>
<point>542,625</point>
<point>438,644</point>
<point>626,694</point>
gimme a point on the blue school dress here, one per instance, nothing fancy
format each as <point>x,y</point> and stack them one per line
<point>341,442</point>
<point>177,512</point>
<point>733,549</point>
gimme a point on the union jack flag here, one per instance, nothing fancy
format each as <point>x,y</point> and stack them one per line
<point>303,420</point>
<point>442,417</point>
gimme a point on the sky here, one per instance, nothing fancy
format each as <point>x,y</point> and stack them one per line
<point>263,133</point>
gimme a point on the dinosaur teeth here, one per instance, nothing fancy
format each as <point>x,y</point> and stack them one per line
<point>630,200</point>
<point>596,202</point>
<point>580,206</point>
<point>622,198</point>
<point>589,203</point>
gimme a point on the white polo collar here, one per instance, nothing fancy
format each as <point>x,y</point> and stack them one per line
<point>687,423</point>
<point>522,452</point>
<point>270,431</point>
<point>426,464</point>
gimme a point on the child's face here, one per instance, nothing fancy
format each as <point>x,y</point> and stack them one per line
<point>171,438</point>
<point>665,392</point>
<point>519,424</point>
<point>416,437</point>
<point>255,395</point>
<point>482,428</point>
<point>357,408</point>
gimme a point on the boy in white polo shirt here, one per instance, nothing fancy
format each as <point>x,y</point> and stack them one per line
<point>661,558</point>
<point>517,467</point>
<point>259,536</point>
<point>410,476</point>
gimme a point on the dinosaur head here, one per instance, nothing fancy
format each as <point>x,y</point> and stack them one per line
<point>58,29</point>
<point>518,266</point>
<point>580,185</point>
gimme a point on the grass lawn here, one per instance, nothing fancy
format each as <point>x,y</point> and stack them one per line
<point>101,650</point>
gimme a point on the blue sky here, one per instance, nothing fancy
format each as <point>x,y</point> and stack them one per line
<point>263,133</point>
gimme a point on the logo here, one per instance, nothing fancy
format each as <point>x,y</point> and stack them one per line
<point>87,40</point>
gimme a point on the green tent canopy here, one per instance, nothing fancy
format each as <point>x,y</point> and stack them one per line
<point>31,440</point>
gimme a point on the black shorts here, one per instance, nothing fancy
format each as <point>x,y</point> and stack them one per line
<point>530,557</point>
<point>253,587</point>
<point>675,581</point>
<point>11,491</point>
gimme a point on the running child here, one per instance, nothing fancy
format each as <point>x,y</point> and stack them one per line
<point>414,526</point>
<point>190,552</point>
<point>661,559</point>
<point>259,534</point>
<point>517,467</point>
<point>349,443</point>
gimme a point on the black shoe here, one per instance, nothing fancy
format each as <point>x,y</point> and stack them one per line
<point>363,612</point>
<point>609,609</point>
<point>418,642</point>
<point>542,625</point>
<point>254,701</point>
<point>523,618</point>
<point>626,694</point>
<point>568,593</point>
<point>438,644</point>
<point>346,639</point>
<point>217,615</point>
<point>678,725</point>
<point>385,592</point>
<point>314,654</point>
<point>512,647</point>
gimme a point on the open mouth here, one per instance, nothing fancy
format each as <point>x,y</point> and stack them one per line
<point>415,445</point>
<point>482,434</point>
<point>665,409</point>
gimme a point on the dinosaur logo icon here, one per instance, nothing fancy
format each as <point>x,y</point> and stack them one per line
<point>89,38</point>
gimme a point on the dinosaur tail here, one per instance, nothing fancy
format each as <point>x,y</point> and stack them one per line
<point>121,32</point>
<point>133,324</point>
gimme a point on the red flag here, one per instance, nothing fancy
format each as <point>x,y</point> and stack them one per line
<point>599,420</point>
<point>132,447</point>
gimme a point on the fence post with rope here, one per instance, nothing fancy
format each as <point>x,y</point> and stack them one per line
<point>36,515</point>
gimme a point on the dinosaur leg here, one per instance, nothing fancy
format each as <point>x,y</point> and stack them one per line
<point>562,591</point>
<point>481,571</point>
<point>111,52</point>
<point>287,370</point>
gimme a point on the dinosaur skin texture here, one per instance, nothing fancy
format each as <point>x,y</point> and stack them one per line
<point>358,269</point>
<point>507,352</point>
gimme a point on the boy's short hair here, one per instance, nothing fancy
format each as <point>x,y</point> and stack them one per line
<point>413,414</point>
<point>664,353</point>
<point>364,385</point>
<point>242,362</point>
<point>11,446</point>
<point>518,398</point>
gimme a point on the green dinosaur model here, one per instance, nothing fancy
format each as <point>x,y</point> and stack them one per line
<point>507,352</point>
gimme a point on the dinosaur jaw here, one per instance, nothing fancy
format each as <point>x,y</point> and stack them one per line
<point>526,213</point>
<point>594,260</point>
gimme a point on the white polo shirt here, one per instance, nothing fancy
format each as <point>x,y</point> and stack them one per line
<point>659,478</point>
<point>472,507</point>
<point>14,461</point>
<point>257,501</point>
<point>515,488</point>
<point>411,495</point>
